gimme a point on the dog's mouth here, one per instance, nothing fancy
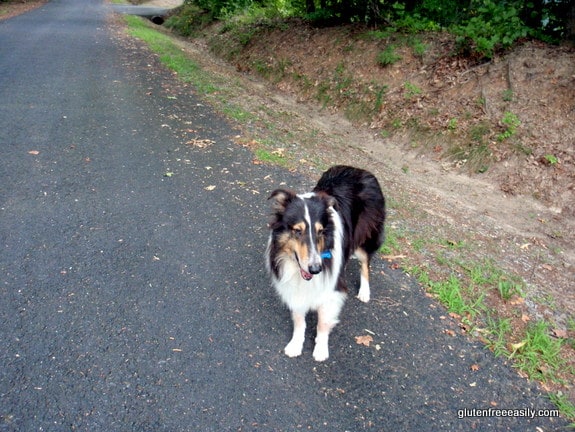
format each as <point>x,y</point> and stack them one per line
<point>306,275</point>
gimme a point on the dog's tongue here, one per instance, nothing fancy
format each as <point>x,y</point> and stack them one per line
<point>307,276</point>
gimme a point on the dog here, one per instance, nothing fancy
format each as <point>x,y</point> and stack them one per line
<point>312,237</point>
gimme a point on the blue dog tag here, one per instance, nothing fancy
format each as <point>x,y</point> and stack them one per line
<point>326,254</point>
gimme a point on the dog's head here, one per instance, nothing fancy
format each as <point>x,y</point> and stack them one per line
<point>302,228</point>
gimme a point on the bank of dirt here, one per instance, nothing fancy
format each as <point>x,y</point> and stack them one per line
<point>13,8</point>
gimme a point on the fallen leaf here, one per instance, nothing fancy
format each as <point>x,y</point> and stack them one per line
<point>280,152</point>
<point>560,333</point>
<point>474,367</point>
<point>516,346</point>
<point>363,340</point>
<point>525,318</point>
<point>34,152</point>
<point>200,143</point>
<point>516,301</point>
<point>168,174</point>
<point>449,332</point>
<point>210,188</point>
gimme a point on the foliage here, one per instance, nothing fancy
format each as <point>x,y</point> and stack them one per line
<point>511,123</point>
<point>189,19</point>
<point>388,56</point>
<point>496,25</point>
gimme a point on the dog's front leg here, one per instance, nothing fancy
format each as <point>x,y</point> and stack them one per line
<point>295,346</point>
<point>326,320</point>
<point>321,350</point>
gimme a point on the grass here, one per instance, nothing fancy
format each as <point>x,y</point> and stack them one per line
<point>470,290</point>
<point>171,55</point>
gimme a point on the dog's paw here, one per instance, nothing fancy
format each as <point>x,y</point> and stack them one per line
<point>364,294</point>
<point>293,349</point>
<point>320,353</point>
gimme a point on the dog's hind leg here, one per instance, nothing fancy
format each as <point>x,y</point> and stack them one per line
<point>295,346</point>
<point>364,293</point>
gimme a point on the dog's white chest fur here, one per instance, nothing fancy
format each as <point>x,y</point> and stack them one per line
<point>301,295</point>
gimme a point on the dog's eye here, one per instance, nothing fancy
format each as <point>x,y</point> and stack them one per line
<point>297,232</point>
<point>320,232</point>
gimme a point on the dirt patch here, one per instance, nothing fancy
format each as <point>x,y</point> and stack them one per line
<point>13,8</point>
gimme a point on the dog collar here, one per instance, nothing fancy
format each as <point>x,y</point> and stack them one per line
<point>326,254</point>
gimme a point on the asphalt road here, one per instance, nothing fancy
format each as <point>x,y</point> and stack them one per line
<point>132,290</point>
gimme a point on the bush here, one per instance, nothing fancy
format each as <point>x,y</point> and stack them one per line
<point>388,56</point>
<point>496,26</point>
<point>188,20</point>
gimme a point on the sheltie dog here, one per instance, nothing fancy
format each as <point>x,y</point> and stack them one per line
<point>312,237</point>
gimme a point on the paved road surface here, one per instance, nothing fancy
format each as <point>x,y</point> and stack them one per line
<point>131,300</point>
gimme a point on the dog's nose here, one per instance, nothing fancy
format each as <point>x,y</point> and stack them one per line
<point>314,268</point>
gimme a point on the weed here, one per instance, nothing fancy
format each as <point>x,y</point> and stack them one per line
<point>508,289</point>
<point>269,157</point>
<point>391,244</point>
<point>508,95</point>
<point>565,406</point>
<point>511,122</point>
<point>478,131</point>
<point>551,159</point>
<point>538,354</point>
<point>418,47</point>
<point>450,294</point>
<point>237,113</point>
<point>388,56</point>
<point>499,329</point>
<point>411,90</point>
<point>452,124</point>
<point>379,34</point>
<point>323,95</point>
<point>379,95</point>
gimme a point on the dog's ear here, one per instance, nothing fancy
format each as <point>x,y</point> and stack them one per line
<point>280,200</point>
<point>329,200</point>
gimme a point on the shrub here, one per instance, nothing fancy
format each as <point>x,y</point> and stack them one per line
<point>495,26</point>
<point>388,56</point>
